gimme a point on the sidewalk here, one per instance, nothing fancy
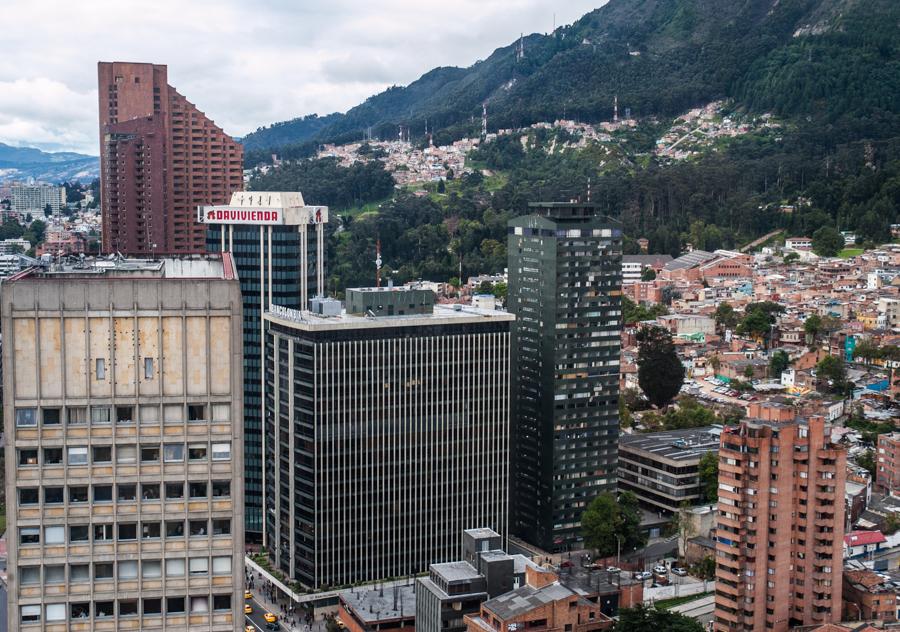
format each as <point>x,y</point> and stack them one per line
<point>291,623</point>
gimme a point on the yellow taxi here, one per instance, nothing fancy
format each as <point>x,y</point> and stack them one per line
<point>270,618</point>
<point>249,628</point>
<point>248,609</point>
<point>248,594</point>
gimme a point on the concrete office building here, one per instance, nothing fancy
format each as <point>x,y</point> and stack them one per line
<point>35,198</point>
<point>268,261</point>
<point>122,403</point>
<point>663,468</point>
<point>386,436</point>
<point>565,289</point>
<point>779,539</point>
<point>160,158</point>
<point>887,466</point>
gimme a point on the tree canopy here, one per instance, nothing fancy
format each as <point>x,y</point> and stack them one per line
<point>660,371</point>
<point>612,525</point>
<point>643,618</point>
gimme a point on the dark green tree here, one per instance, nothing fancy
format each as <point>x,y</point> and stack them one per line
<point>643,618</point>
<point>866,350</point>
<point>648,274</point>
<point>725,316</point>
<point>708,473</point>
<point>660,371</point>
<point>612,525</point>
<point>827,242</point>
<point>812,327</point>
<point>866,460</point>
<point>779,362</point>
<point>831,371</point>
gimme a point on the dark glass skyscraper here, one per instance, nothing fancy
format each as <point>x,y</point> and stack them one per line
<point>285,292</point>
<point>565,289</point>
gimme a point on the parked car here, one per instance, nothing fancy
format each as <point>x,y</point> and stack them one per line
<point>643,576</point>
<point>677,570</point>
<point>613,569</point>
<point>659,569</point>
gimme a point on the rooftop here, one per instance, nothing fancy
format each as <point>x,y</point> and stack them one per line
<point>675,445</point>
<point>442,315</point>
<point>525,599</point>
<point>455,571</point>
<point>371,605</point>
<point>211,266</point>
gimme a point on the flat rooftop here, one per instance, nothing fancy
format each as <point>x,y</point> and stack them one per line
<point>211,266</point>
<point>455,571</point>
<point>442,315</point>
<point>371,605</point>
<point>674,445</point>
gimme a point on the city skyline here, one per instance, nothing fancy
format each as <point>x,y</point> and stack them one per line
<point>283,61</point>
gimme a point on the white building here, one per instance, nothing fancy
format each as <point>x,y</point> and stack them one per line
<point>14,246</point>
<point>34,198</point>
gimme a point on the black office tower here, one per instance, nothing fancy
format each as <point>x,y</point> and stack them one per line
<point>285,292</point>
<point>565,289</point>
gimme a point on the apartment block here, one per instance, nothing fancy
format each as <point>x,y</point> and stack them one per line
<point>160,158</point>
<point>779,548</point>
<point>122,408</point>
<point>565,289</point>
<point>887,465</point>
<point>35,198</point>
<point>386,436</point>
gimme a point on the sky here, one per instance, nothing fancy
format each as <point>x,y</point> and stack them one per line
<point>246,63</point>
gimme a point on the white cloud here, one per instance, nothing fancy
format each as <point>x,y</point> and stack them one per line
<point>245,63</point>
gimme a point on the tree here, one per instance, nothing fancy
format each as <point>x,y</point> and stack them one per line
<point>689,413</point>
<point>812,326</point>
<point>758,319</point>
<point>716,363</point>
<point>791,257</point>
<point>500,291</point>
<point>827,242</point>
<point>684,526</point>
<point>613,525</point>
<point>660,371</point>
<point>833,373</point>
<point>708,473</point>
<point>866,460</point>
<point>706,568</point>
<point>748,371</point>
<point>725,316</point>
<point>643,618</point>
<point>649,274</point>
<point>779,363</point>
<point>485,287</point>
<point>866,350</point>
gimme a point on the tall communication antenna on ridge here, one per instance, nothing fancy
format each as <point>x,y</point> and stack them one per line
<point>378,262</point>
<point>484,120</point>
<point>616,109</point>
<point>520,49</point>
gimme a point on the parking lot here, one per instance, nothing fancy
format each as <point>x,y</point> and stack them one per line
<point>715,391</point>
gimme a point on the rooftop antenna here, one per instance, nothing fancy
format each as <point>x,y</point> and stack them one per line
<point>378,263</point>
<point>484,120</point>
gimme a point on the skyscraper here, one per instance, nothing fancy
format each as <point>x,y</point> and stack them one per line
<point>252,250</point>
<point>386,432</point>
<point>565,288</point>
<point>160,158</point>
<point>122,408</point>
<point>779,538</point>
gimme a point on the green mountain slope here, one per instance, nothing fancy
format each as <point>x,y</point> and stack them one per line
<point>660,57</point>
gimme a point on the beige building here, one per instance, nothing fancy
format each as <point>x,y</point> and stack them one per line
<point>124,446</point>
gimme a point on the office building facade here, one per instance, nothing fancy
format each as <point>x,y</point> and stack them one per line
<point>565,289</point>
<point>779,537</point>
<point>160,158</point>
<point>124,446</point>
<point>386,436</point>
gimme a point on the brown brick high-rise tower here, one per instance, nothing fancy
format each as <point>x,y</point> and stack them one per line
<point>779,540</point>
<point>160,158</point>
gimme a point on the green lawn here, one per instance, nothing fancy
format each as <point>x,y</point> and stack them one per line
<point>665,604</point>
<point>846,253</point>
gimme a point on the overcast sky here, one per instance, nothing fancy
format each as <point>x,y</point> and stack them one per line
<point>246,63</point>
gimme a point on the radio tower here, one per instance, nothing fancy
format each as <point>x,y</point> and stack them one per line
<point>520,49</point>
<point>616,109</point>
<point>484,120</point>
<point>378,263</point>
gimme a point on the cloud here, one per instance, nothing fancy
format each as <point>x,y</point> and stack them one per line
<point>245,64</point>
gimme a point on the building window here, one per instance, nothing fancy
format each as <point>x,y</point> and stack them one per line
<point>78,456</point>
<point>152,607</point>
<point>150,530</point>
<point>126,493</point>
<point>175,529</point>
<point>28,496</point>
<point>221,452</point>
<point>81,610</point>
<point>102,493</point>
<point>196,412</point>
<point>128,531</point>
<point>29,575</point>
<point>173,453</point>
<point>100,369</point>
<point>80,573</point>
<point>31,614</point>
<point>128,607</point>
<point>103,532</point>
<point>53,456</point>
<point>103,570</point>
<point>78,533</point>
<point>149,491</point>
<point>28,457</point>
<point>51,416</point>
<point>126,454</point>
<point>148,368</point>
<point>128,569</point>
<point>103,609</point>
<point>78,494</point>
<point>53,495</point>
<point>99,414</point>
<point>102,454</point>
<point>221,565</point>
<point>150,454</point>
<point>27,418</point>
<point>198,566</point>
<point>197,452</point>
<point>124,414</point>
<point>30,535</point>
<point>55,535</point>
<point>175,605</point>
<point>151,569</point>
<point>199,604</point>
<point>175,491</point>
<point>76,416</point>
<point>197,528</point>
<point>221,489</point>
<point>55,574</point>
<point>175,568</point>
<point>198,489</point>
<point>221,602</point>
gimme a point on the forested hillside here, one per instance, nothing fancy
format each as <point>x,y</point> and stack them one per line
<point>829,70</point>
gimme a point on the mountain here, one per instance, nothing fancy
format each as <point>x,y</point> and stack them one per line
<point>21,163</point>
<point>659,57</point>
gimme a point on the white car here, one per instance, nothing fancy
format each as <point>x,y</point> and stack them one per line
<point>613,569</point>
<point>679,571</point>
<point>659,569</point>
<point>643,575</point>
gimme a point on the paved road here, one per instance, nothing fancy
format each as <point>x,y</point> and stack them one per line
<point>700,610</point>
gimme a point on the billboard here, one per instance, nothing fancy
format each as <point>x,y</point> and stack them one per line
<point>255,216</point>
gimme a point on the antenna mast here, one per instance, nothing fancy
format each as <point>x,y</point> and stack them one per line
<point>484,120</point>
<point>378,262</point>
